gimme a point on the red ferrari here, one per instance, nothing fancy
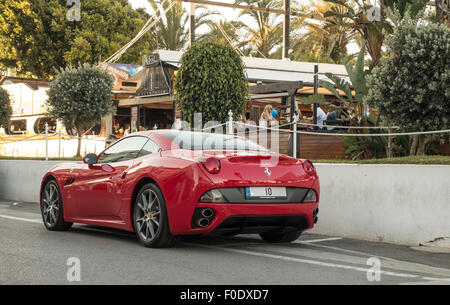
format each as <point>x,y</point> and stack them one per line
<point>167,183</point>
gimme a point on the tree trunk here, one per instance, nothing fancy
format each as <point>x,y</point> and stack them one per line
<point>421,146</point>
<point>439,13</point>
<point>442,12</point>
<point>414,145</point>
<point>389,148</point>
<point>79,141</point>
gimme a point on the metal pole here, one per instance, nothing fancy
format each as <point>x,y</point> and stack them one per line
<point>230,122</point>
<point>46,141</point>
<point>295,139</point>
<point>316,91</point>
<point>251,8</point>
<point>191,23</point>
<point>293,126</point>
<point>59,144</point>
<point>286,26</point>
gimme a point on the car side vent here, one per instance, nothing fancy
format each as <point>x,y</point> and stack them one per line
<point>69,181</point>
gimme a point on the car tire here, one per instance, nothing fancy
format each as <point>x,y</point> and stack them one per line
<point>281,237</point>
<point>52,209</point>
<point>150,219</point>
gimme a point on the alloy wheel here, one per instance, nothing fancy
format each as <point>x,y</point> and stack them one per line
<point>148,215</point>
<point>50,205</point>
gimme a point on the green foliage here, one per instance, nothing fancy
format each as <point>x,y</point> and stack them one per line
<point>80,96</point>
<point>36,37</point>
<point>411,88</point>
<point>211,80</point>
<point>357,76</point>
<point>398,160</point>
<point>355,16</point>
<point>5,108</point>
<point>364,148</point>
<point>320,42</point>
<point>266,37</point>
<point>172,31</point>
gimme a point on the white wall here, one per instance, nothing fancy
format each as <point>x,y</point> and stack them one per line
<point>56,149</point>
<point>20,180</point>
<point>403,204</point>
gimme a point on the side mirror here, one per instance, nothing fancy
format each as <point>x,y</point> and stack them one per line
<point>107,168</point>
<point>90,159</point>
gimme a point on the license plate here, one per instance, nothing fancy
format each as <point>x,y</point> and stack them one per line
<point>252,192</point>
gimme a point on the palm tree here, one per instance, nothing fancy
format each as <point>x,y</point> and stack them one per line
<point>353,14</point>
<point>230,28</point>
<point>172,30</point>
<point>262,40</point>
<point>355,90</point>
<point>322,42</point>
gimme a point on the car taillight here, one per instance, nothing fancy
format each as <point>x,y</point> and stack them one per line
<point>309,167</point>
<point>310,197</point>
<point>213,196</point>
<point>212,165</point>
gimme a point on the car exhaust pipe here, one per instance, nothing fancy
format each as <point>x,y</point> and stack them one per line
<point>203,222</point>
<point>207,213</point>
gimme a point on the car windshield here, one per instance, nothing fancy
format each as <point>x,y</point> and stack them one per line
<point>209,141</point>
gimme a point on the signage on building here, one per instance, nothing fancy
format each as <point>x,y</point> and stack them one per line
<point>155,81</point>
<point>151,60</point>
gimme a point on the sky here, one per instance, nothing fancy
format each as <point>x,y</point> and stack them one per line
<point>228,14</point>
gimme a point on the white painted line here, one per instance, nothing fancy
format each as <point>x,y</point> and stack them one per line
<point>305,261</point>
<point>435,279</point>
<point>22,219</point>
<point>351,251</point>
<point>319,263</point>
<point>317,240</point>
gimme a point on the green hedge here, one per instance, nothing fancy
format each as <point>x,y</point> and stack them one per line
<point>443,160</point>
<point>211,81</point>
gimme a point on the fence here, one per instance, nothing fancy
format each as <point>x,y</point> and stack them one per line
<point>50,146</point>
<point>279,138</point>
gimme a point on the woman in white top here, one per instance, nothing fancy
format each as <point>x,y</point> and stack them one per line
<point>266,116</point>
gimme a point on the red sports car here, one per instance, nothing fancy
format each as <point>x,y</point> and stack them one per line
<point>167,183</point>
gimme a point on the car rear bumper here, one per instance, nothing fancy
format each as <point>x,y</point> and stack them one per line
<point>260,224</point>
<point>253,218</point>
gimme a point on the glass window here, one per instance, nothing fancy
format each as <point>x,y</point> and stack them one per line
<point>209,141</point>
<point>149,148</point>
<point>39,125</point>
<point>17,127</point>
<point>123,150</point>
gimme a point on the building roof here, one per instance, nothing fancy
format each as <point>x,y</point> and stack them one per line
<point>34,83</point>
<point>271,70</point>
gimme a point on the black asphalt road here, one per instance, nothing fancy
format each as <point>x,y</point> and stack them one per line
<point>29,254</point>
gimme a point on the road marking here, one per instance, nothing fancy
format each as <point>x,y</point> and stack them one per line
<point>281,257</point>
<point>320,263</point>
<point>22,219</point>
<point>435,279</point>
<point>317,240</point>
<point>305,261</point>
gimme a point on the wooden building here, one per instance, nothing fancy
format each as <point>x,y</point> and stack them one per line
<point>153,103</point>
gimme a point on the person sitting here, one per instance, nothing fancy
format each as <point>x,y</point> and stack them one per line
<point>321,116</point>
<point>117,131</point>
<point>127,130</point>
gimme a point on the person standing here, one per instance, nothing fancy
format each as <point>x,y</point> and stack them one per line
<point>266,116</point>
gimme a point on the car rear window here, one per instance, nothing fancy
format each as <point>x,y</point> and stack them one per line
<point>209,141</point>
